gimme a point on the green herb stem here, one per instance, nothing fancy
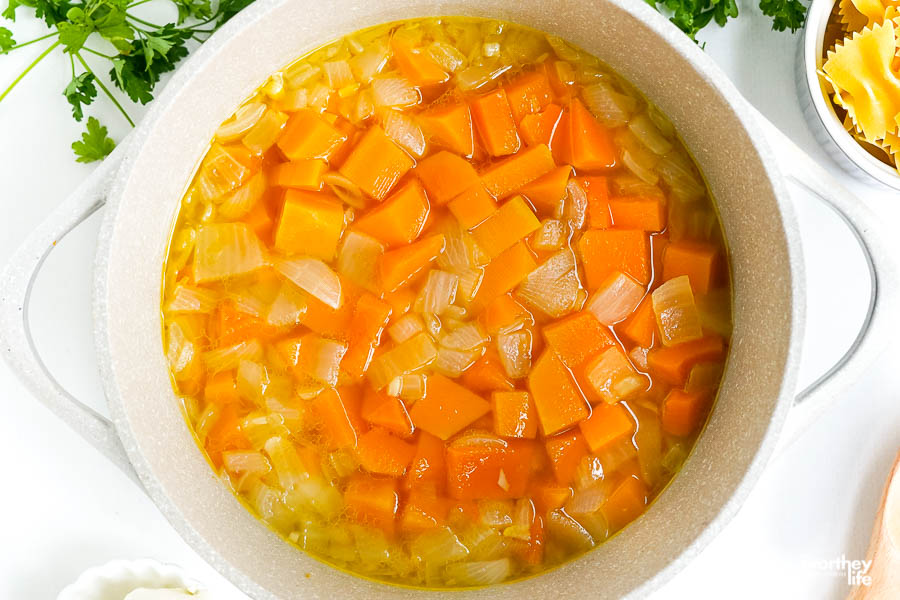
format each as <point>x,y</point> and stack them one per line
<point>22,75</point>
<point>95,53</point>
<point>34,41</point>
<point>104,88</point>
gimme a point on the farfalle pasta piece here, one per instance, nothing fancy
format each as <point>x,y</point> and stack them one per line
<point>874,10</point>
<point>864,83</point>
<point>850,17</point>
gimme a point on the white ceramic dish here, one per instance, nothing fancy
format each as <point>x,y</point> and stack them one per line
<point>143,183</point>
<point>115,579</point>
<point>819,111</point>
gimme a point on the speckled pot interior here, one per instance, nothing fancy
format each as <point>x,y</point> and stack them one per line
<point>640,45</point>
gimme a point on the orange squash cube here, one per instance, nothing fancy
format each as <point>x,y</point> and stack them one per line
<point>308,135</point>
<point>310,223</point>
<point>376,164</point>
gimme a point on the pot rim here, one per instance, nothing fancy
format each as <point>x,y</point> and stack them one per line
<point>679,43</point>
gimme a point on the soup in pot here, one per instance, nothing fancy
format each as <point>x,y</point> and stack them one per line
<point>447,302</point>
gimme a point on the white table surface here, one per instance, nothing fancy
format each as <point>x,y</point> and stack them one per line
<point>64,508</point>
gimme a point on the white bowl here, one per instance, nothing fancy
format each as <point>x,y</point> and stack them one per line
<point>819,111</point>
<point>115,579</point>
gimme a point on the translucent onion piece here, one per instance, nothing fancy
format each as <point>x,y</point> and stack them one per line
<point>265,132</point>
<point>411,355</point>
<point>344,189</point>
<point>288,308</point>
<point>514,350</point>
<point>246,462</point>
<point>286,462</point>
<point>248,303</point>
<point>191,299</point>
<point>648,440</point>
<point>301,74</point>
<point>259,428</point>
<point>239,202</point>
<point>588,500</point>
<point>704,377</point>
<point>715,311</point>
<point>219,174</point>
<point>337,73</point>
<point>321,358</point>
<point>403,130</point>
<point>496,513</point>
<point>230,357</point>
<point>478,438</point>
<point>438,547</point>
<point>461,252</point>
<point>575,205</point>
<point>226,250</point>
<point>615,454</point>
<point>274,88</point>
<point>674,458</point>
<point>568,531</point>
<point>638,357</point>
<point>448,57</point>
<point>490,49</point>
<point>357,259</point>
<point>453,363</point>
<point>319,95</point>
<point>613,377</point>
<point>370,62</point>
<point>313,277</point>
<point>641,170</point>
<point>413,386</point>
<point>252,380</point>
<point>432,324</point>
<point>676,313</point>
<point>486,572</point>
<point>662,123</point>
<point>245,118</point>
<point>292,414</point>
<point>458,313</point>
<point>550,236</point>
<point>588,472</point>
<point>406,327</point>
<point>394,92</point>
<point>180,349</point>
<point>475,77</point>
<point>439,292</point>
<point>293,100</point>
<point>467,337</point>
<point>631,185</point>
<point>610,107</point>
<point>676,170</point>
<point>645,131</point>
<point>552,287</point>
<point>317,496</point>
<point>616,298</point>
<point>469,282</point>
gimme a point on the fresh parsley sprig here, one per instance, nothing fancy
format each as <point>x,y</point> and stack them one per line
<point>142,51</point>
<point>693,15</point>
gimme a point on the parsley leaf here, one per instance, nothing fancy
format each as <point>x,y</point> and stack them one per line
<point>785,13</point>
<point>197,9</point>
<point>138,73</point>
<point>6,40</point>
<point>229,8</point>
<point>80,92</point>
<point>10,11</point>
<point>95,144</point>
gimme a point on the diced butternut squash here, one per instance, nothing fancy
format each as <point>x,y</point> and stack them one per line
<point>550,496</point>
<point>303,174</point>
<point>557,398</point>
<point>382,453</point>
<point>577,338</point>
<point>399,219</point>
<point>399,266</point>
<point>604,251</point>
<point>318,358</point>
<point>612,376</point>
<point>489,471</point>
<point>503,274</point>
<point>538,128</point>
<point>307,135</point>
<point>416,65</point>
<point>221,389</point>
<point>682,413</point>
<point>494,121</point>
<point>529,93</point>
<point>608,423</point>
<point>640,327</point>
<point>260,221</point>
<point>672,364</point>
<point>626,502</point>
<point>373,501</point>
<point>592,144</point>
<point>504,314</point>
<point>447,407</point>
<point>644,213</point>
<point>473,206</point>
<point>514,414</point>
<point>565,451</point>
<point>389,412</point>
<point>597,191</point>
<point>370,316</point>
<point>423,510</point>
<point>450,126</point>
<point>696,260</point>
<point>376,164</point>
<point>445,176</point>
<point>507,176</point>
<point>337,415</point>
<point>548,191</point>
<point>428,467</point>
<point>229,326</point>
<point>511,223</point>
<point>486,375</point>
<point>310,223</point>
<point>224,435</point>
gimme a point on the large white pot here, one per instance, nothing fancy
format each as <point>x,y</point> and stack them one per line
<point>143,183</point>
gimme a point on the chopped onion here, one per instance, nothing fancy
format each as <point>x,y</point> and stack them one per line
<point>674,457</point>
<point>447,56</point>
<point>230,357</point>
<point>265,132</point>
<point>479,438</point>
<point>239,202</point>
<point>439,292</point>
<point>630,185</point>
<point>226,250</point>
<point>475,77</point>
<point>432,324</point>
<point>406,327</point>
<point>641,170</point>
<point>357,259</point>
<point>180,350</point>
<point>293,100</point>
<point>568,531</point>
<point>645,131</point>
<point>490,49</point>
<point>219,174</point>
<point>337,73</point>
<point>401,128</point>
<point>553,287</point>
<point>588,472</point>
<point>610,107</point>
<point>301,74</point>
<point>458,313</point>
<point>467,337</point>
<point>394,92</point>
<point>317,496</point>
<point>252,380</point>
<point>469,282</point>
<point>648,440</point>
<point>320,358</point>
<point>292,415</point>
<point>495,513</point>
<point>319,95</point>
<point>413,386</point>
<point>587,500</point>
<point>563,49</point>
<point>453,363</point>
<point>616,454</point>
<point>676,313</point>
<point>274,88</point>
<point>477,573</point>
<point>259,428</point>
<point>638,357</point>
<point>245,118</point>
<point>550,236</point>
<point>438,547</point>
<point>612,376</point>
<point>616,298</point>
<point>288,308</point>
<point>514,350</point>
<point>344,189</point>
<point>191,299</point>
<point>246,462</point>
<point>313,277</point>
<point>461,252</point>
<point>575,205</point>
<point>248,303</point>
<point>704,377</point>
<point>411,355</point>
<point>369,63</point>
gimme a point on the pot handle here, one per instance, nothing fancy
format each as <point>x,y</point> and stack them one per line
<point>878,326</point>
<point>16,342</point>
